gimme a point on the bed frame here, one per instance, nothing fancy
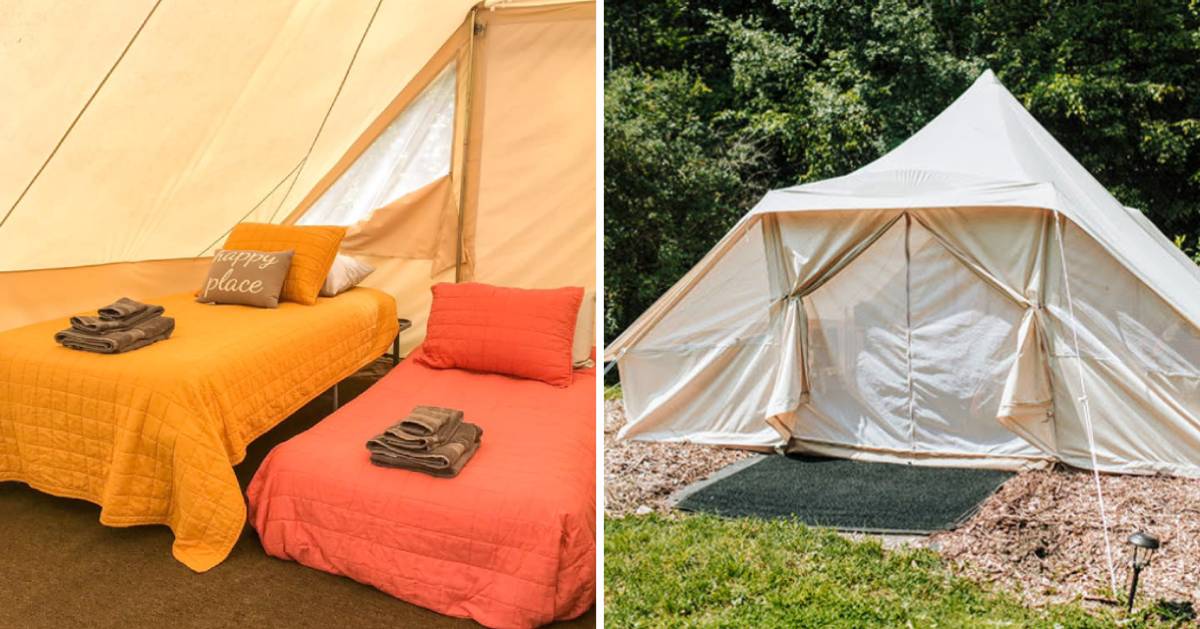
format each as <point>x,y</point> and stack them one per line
<point>394,356</point>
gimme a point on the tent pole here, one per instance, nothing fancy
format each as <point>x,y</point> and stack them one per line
<point>468,113</point>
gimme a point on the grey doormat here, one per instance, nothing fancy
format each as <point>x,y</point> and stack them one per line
<point>849,495</point>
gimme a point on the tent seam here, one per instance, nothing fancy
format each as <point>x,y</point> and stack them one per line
<point>78,116</point>
<point>293,171</point>
<point>329,111</point>
<point>912,424</point>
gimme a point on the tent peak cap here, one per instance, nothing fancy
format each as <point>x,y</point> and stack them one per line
<point>988,77</point>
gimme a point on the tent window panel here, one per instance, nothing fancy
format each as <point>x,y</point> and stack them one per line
<point>1120,318</point>
<point>1141,361</point>
<point>963,334</point>
<point>858,365</point>
<point>411,152</point>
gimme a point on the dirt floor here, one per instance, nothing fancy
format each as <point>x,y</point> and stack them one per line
<point>1039,536</point>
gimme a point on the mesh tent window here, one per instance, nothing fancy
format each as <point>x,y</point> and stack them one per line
<point>414,150</point>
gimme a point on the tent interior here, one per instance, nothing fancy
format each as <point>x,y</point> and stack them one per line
<point>452,148</point>
<point>973,298</point>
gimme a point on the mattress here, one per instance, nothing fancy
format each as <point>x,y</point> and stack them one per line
<point>509,542</point>
<point>152,435</point>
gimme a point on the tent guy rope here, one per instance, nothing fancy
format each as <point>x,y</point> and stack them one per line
<point>1083,400</point>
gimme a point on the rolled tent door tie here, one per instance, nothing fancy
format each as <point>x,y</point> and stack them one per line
<point>790,387</point>
<point>1027,403</point>
<point>803,276</point>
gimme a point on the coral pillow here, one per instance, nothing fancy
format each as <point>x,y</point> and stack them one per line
<point>519,332</point>
<point>315,247</point>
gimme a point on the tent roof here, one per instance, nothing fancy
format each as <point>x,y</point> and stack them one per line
<point>985,149</point>
<point>143,130</point>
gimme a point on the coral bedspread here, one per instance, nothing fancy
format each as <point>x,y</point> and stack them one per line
<point>510,542</point>
<point>152,435</point>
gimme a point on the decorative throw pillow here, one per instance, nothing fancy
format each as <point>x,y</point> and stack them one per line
<point>345,274</point>
<point>250,278</point>
<point>514,331</point>
<point>315,247</point>
<point>585,332</point>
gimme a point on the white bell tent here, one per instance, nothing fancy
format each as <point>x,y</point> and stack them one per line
<point>972,298</point>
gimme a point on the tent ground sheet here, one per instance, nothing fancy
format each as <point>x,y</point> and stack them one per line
<point>848,495</point>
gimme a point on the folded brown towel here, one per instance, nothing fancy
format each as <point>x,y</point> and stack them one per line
<point>121,308</point>
<point>429,420</point>
<point>118,341</point>
<point>85,323</point>
<point>445,460</point>
<point>424,428</point>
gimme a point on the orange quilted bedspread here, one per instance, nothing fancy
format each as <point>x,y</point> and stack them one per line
<point>152,435</point>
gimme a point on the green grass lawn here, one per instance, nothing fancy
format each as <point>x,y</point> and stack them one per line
<point>704,571</point>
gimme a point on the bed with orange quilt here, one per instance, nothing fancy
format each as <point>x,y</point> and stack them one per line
<point>509,542</point>
<point>152,435</point>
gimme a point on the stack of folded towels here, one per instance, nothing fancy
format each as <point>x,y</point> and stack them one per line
<point>431,440</point>
<point>122,326</point>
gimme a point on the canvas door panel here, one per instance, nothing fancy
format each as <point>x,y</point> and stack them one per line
<point>964,333</point>
<point>1141,365</point>
<point>857,352</point>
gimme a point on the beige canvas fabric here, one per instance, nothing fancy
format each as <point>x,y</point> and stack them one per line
<point>585,331</point>
<point>168,123</point>
<point>33,296</point>
<point>927,308</point>
<point>213,106</point>
<point>535,214</point>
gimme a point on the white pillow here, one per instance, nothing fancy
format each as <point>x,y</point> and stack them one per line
<point>585,331</point>
<point>345,274</point>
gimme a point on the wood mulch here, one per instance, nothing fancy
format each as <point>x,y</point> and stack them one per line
<point>639,476</point>
<point>1041,536</point>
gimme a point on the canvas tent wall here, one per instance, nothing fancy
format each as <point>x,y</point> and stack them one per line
<point>166,123</point>
<point>974,297</point>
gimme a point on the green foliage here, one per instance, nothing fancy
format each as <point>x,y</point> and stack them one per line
<point>703,571</point>
<point>660,128</point>
<point>710,104</point>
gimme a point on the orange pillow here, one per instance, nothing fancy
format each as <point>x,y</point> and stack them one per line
<point>315,247</point>
<point>520,332</point>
